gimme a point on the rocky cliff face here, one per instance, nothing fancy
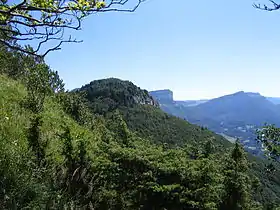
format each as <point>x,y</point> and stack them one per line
<point>148,100</point>
<point>163,96</point>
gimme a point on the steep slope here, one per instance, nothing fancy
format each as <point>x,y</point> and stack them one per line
<point>144,116</point>
<point>93,165</point>
<point>21,186</point>
<point>161,127</point>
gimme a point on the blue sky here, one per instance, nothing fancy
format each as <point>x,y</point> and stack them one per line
<point>198,49</point>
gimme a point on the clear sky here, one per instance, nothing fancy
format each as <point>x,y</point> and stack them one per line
<point>198,49</point>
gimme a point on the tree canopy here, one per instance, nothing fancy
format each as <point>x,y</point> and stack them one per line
<point>41,21</point>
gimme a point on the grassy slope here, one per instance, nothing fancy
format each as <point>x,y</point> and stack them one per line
<point>14,120</point>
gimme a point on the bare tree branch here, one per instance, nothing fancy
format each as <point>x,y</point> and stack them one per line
<point>46,20</point>
<point>274,6</point>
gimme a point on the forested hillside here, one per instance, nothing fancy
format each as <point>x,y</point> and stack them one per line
<point>105,96</point>
<point>58,150</point>
<point>159,127</point>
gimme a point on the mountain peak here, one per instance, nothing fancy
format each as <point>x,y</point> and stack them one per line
<point>242,94</point>
<point>239,92</point>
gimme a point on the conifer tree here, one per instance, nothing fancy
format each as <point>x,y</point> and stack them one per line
<point>119,126</point>
<point>237,181</point>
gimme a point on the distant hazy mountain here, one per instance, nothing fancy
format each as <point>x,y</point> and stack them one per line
<point>234,115</point>
<point>249,108</point>
<point>162,96</point>
<point>192,102</point>
<point>274,100</point>
<point>166,97</point>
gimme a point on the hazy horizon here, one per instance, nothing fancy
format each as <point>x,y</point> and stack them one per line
<point>175,95</point>
<point>198,50</point>
<point>209,98</point>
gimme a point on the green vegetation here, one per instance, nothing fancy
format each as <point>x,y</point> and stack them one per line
<point>109,94</point>
<point>149,122</point>
<point>269,136</point>
<point>112,148</point>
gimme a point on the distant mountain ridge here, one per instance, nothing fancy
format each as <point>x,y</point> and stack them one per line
<point>235,115</point>
<point>250,108</point>
<point>159,95</point>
